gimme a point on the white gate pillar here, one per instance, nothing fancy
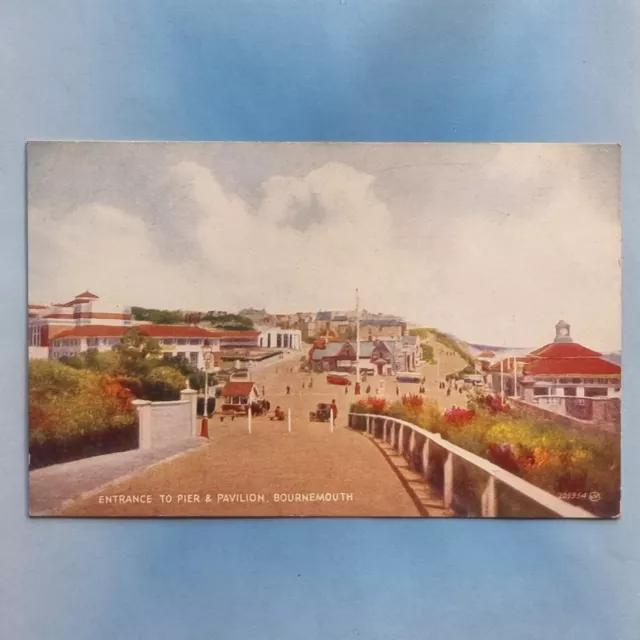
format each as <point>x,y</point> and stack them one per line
<point>191,396</point>
<point>143,407</point>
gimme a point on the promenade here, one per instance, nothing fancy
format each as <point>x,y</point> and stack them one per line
<point>309,471</point>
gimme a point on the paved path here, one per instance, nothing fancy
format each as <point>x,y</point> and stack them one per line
<point>271,472</point>
<point>51,486</point>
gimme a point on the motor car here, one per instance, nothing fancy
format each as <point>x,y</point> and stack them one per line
<point>321,414</point>
<point>338,378</point>
<point>415,378</point>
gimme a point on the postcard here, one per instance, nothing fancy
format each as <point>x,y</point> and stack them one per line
<point>220,329</point>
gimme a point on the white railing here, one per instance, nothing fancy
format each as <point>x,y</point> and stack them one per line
<point>404,437</point>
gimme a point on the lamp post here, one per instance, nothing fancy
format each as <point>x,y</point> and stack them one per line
<point>207,356</point>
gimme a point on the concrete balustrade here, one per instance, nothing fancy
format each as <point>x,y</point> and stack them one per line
<point>420,448</point>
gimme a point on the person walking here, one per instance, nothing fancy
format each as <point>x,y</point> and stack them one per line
<point>346,390</point>
<point>397,390</point>
<point>334,410</point>
<point>288,389</point>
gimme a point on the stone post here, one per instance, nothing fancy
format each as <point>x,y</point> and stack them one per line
<point>490,499</point>
<point>143,407</point>
<point>448,480</point>
<point>191,396</point>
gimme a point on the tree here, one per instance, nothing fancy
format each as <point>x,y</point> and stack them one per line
<point>427,352</point>
<point>136,352</point>
<point>158,316</point>
<point>163,383</point>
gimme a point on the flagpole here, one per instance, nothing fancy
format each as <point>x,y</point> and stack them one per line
<point>502,378</point>
<point>357,336</point>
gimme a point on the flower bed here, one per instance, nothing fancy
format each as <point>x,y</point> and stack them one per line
<point>579,468</point>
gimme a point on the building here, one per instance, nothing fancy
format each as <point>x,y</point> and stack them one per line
<point>238,396</point>
<point>237,339</point>
<point>384,357</point>
<point>86,309</point>
<point>385,328</point>
<point>276,338</point>
<point>182,341</point>
<point>562,369</point>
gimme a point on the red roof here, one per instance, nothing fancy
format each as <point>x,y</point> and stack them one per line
<point>486,354</point>
<point>571,367</point>
<point>85,295</point>
<point>38,306</point>
<point>237,389</point>
<point>564,350</point>
<point>151,330</point>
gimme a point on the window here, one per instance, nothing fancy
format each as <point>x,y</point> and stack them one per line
<point>595,392</point>
<point>168,341</point>
<point>576,380</point>
<point>182,341</point>
<point>194,341</point>
<point>541,391</point>
<point>193,357</point>
<point>570,391</point>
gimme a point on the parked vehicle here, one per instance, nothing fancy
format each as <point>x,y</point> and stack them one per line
<point>321,414</point>
<point>406,376</point>
<point>338,378</point>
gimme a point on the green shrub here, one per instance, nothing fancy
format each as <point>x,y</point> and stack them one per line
<point>70,410</point>
<point>162,384</point>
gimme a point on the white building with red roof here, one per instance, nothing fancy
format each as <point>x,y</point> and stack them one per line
<point>86,309</point>
<point>182,341</point>
<point>560,369</point>
<point>238,396</point>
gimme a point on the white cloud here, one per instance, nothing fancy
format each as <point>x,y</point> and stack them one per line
<point>496,252</point>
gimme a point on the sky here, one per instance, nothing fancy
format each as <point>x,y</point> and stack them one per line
<point>349,70</point>
<point>492,242</point>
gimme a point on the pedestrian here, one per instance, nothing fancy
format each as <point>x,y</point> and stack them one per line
<point>368,391</point>
<point>449,391</point>
<point>288,390</point>
<point>334,410</point>
<point>346,390</point>
<point>303,386</point>
<point>397,390</point>
<point>263,391</point>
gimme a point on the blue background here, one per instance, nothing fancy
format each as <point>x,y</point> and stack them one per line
<point>313,70</point>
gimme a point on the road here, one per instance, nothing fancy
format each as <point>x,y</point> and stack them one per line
<point>310,471</point>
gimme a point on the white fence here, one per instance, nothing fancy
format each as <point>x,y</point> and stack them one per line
<point>498,486</point>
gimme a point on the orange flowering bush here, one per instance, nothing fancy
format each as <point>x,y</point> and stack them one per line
<point>70,409</point>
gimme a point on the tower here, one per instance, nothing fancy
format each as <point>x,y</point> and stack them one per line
<point>563,332</point>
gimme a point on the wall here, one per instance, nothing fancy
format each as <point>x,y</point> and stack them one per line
<point>164,422</point>
<point>605,412</point>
